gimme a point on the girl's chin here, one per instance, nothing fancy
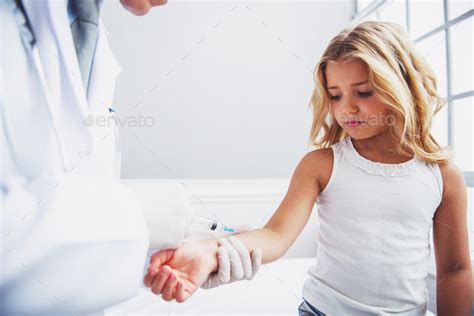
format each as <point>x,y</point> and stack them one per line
<point>359,135</point>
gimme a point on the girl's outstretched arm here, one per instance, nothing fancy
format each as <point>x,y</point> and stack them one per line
<point>310,177</point>
<point>178,273</point>
<point>450,234</point>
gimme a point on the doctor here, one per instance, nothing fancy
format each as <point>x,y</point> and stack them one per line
<point>73,240</point>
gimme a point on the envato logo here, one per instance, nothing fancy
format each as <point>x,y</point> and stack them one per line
<point>371,120</point>
<point>127,121</point>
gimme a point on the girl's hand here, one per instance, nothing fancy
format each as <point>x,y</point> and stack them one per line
<point>178,273</point>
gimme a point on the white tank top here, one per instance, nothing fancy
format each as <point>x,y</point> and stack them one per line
<point>374,237</point>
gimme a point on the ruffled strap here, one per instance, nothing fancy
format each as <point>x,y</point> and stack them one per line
<point>376,168</point>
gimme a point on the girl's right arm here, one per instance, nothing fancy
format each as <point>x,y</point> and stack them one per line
<point>310,177</point>
<point>178,273</point>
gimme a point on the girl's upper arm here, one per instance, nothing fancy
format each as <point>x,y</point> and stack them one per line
<point>310,177</point>
<point>450,232</point>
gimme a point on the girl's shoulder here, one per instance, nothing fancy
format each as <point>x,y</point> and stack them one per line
<point>453,179</point>
<point>320,163</point>
<point>450,169</point>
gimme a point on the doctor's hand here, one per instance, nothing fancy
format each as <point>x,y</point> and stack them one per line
<point>235,263</point>
<point>141,7</point>
<point>178,273</point>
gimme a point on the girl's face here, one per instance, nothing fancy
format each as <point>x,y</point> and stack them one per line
<point>355,107</point>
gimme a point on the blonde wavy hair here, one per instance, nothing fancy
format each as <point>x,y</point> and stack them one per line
<point>400,78</point>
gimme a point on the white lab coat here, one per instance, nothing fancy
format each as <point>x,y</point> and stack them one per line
<point>73,240</point>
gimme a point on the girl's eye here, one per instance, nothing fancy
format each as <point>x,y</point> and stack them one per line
<point>365,94</point>
<point>361,94</point>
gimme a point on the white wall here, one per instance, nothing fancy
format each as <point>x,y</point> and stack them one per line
<point>242,204</point>
<point>226,84</point>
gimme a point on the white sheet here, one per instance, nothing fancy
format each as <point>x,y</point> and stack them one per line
<point>276,290</point>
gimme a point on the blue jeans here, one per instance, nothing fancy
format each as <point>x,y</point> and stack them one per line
<point>306,309</point>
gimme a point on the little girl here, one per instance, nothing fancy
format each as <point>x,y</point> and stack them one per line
<point>380,180</point>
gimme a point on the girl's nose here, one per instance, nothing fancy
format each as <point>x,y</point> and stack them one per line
<point>350,107</point>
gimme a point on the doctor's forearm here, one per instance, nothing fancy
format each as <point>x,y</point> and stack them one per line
<point>454,293</point>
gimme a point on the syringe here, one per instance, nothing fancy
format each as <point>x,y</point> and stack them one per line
<point>210,224</point>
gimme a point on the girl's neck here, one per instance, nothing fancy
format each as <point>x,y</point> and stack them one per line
<point>382,147</point>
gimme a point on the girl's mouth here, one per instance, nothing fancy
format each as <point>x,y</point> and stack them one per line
<point>353,123</point>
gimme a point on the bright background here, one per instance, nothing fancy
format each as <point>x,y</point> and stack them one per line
<point>228,86</point>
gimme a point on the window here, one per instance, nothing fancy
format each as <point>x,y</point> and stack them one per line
<point>463,112</point>
<point>363,4</point>
<point>459,7</point>
<point>462,50</point>
<point>425,16</point>
<point>395,12</point>
<point>432,50</point>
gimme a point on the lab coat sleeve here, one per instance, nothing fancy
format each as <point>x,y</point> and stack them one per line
<point>168,211</point>
<point>68,244</point>
<point>78,247</point>
<point>72,244</point>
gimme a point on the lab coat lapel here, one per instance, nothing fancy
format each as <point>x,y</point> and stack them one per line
<point>90,147</point>
<point>39,15</point>
<point>62,29</point>
<point>100,95</point>
<point>104,72</point>
<point>57,51</point>
<point>56,48</point>
<point>68,106</point>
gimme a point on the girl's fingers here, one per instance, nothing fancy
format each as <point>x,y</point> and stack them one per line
<point>148,280</point>
<point>160,279</point>
<point>181,293</point>
<point>169,287</point>
<point>149,277</point>
<point>156,261</point>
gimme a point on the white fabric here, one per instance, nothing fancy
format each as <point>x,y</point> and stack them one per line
<point>275,291</point>
<point>167,210</point>
<point>373,243</point>
<point>73,239</point>
<point>77,252</point>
